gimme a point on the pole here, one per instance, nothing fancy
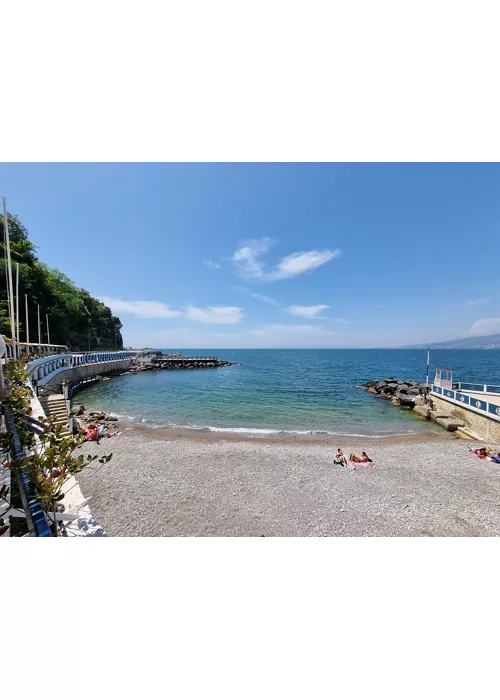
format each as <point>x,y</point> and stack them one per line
<point>27,325</point>
<point>48,334</point>
<point>39,331</point>
<point>427,375</point>
<point>17,302</point>
<point>9,268</point>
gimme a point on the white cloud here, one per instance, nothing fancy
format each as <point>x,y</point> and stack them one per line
<point>215,314</point>
<point>307,311</point>
<point>213,265</point>
<point>477,302</point>
<point>251,265</point>
<point>485,326</point>
<point>262,297</point>
<point>140,309</point>
<point>339,320</point>
<point>248,259</point>
<point>300,263</point>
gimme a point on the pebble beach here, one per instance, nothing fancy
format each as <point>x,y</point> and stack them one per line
<point>166,484</point>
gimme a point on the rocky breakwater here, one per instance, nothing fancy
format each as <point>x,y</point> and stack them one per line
<point>406,394</point>
<point>413,395</point>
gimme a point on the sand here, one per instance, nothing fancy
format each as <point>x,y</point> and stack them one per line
<point>175,485</point>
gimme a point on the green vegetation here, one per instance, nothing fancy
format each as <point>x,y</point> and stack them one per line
<point>76,319</point>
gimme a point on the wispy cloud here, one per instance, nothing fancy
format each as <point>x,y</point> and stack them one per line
<point>300,263</point>
<point>485,326</point>
<point>263,297</point>
<point>250,263</point>
<point>215,314</point>
<point>339,320</point>
<point>211,264</point>
<point>307,311</point>
<point>477,302</point>
<point>248,259</point>
<point>141,309</point>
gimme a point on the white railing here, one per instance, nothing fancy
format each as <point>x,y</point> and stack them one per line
<point>45,369</point>
<point>472,403</point>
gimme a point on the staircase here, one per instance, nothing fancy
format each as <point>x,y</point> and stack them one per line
<point>55,405</point>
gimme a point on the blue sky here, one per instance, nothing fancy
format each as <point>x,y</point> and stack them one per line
<point>272,255</point>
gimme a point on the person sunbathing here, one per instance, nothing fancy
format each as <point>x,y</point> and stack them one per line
<point>364,457</point>
<point>340,458</point>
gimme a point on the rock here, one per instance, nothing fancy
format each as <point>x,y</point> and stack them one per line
<point>379,386</point>
<point>423,411</point>
<point>77,410</point>
<point>450,423</point>
<point>438,414</point>
<point>418,401</point>
<point>112,418</point>
<point>406,402</point>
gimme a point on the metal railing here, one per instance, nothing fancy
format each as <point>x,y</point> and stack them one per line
<point>36,518</point>
<point>44,369</point>
<point>477,388</point>
<point>483,407</point>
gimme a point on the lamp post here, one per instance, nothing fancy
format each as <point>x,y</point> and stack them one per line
<point>9,279</point>
<point>3,350</point>
<point>27,325</point>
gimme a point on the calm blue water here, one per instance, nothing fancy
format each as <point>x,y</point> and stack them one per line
<point>285,390</point>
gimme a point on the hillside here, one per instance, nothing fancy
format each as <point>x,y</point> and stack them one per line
<point>76,319</point>
<point>478,341</point>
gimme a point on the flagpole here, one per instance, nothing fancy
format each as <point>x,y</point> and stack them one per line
<point>17,302</point>
<point>39,332</point>
<point>9,268</point>
<point>48,334</point>
<point>428,358</point>
<point>27,325</point>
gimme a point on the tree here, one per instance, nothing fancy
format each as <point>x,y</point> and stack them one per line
<point>75,317</point>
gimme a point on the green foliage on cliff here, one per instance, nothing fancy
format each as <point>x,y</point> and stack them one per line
<point>76,319</point>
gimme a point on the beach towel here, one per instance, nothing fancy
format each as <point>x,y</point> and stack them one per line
<point>362,464</point>
<point>494,458</point>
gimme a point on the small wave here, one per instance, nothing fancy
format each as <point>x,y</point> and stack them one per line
<point>274,431</point>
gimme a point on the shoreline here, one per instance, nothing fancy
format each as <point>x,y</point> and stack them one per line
<point>283,437</point>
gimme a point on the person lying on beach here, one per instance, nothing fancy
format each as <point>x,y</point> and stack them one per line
<point>364,457</point>
<point>340,458</point>
<point>113,434</point>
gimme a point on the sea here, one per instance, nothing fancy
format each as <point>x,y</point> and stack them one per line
<point>284,391</point>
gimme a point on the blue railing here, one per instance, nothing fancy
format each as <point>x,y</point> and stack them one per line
<point>492,410</point>
<point>36,517</point>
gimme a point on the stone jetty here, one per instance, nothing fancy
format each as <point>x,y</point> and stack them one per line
<point>406,394</point>
<point>414,395</point>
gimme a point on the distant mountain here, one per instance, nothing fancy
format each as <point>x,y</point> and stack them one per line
<point>478,341</point>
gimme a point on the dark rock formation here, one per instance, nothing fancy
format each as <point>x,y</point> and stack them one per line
<point>402,393</point>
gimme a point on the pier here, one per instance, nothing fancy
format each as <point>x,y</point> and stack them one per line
<point>173,361</point>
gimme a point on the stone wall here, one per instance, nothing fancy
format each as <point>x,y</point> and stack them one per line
<point>487,428</point>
